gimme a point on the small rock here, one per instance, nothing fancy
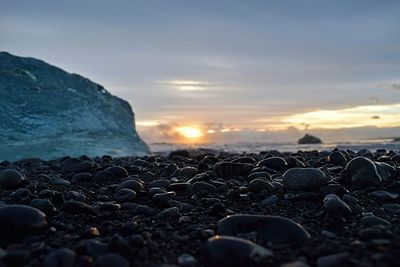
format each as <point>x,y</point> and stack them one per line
<point>186,260</point>
<point>335,206</point>
<point>258,185</point>
<point>125,195</point>
<point>303,179</point>
<point>18,221</point>
<point>60,258</point>
<point>10,179</point>
<point>270,229</point>
<point>362,172</point>
<point>275,163</point>
<point>202,188</point>
<point>333,260</point>
<point>111,260</point>
<point>234,251</point>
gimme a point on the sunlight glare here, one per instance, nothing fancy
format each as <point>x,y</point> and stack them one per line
<point>190,132</point>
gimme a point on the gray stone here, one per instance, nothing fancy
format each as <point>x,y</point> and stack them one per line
<point>303,179</point>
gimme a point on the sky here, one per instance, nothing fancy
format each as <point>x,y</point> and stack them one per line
<point>219,71</point>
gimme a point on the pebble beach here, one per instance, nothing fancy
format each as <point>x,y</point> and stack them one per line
<point>203,208</point>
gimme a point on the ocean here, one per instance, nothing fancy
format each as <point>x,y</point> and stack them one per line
<point>256,147</point>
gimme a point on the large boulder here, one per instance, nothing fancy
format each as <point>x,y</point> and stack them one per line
<point>46,112</point>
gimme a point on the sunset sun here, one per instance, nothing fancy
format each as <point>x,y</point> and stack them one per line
<point>190,132</point>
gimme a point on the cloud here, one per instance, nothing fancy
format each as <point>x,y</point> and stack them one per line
<point>389,85</point>
<point>187,85</point>
<point>359,116</point>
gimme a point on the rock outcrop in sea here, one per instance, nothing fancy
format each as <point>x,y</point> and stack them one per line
<point>47,113</point>
<point>309,139</point>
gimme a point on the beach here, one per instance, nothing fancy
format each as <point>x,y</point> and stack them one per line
<point>203,208</point>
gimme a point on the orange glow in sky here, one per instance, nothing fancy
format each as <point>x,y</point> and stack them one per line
<point>190,132</point>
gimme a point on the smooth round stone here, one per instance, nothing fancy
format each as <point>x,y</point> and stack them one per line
<point>188,172</point>
<point>111,260</point>
<point>156,190</point>
<point>335,206</point>
<point>117,171</point>
<point>231,169</point>
<point>163,198</point>
<point>275,163</point>
<point>160,183</point>
<point>270,229</point>
<point>362,172</point>
<point>95,247</point>
<point>258,185</point>
<point>202,188</point>
<point>169,213</point>
<point>44,204</point>
<point>234,251</point>
<point>336,189</point>
<point>294,162</point>
<point>186,260</point>
<point>270,201</point>
<point>125,195</point>
<point>55,180</point>
<point>295,264</point>
<point>130,184</point>
<point>337,158</point>
<point>263,175</point>
<point>21,194</point>
<point>83,177</point>
<point>179,188</point>
<point>372,220</point>
<point>303,179</point>
<point>60,258</point>
<point>391,208</point>
<point>385,170</point>
<point>19,221</point>
<point>77,165</point>
<point>384,195</point>
<point>333,260</point>
<point>73,195</point>
<point>10,179</point>
<point>77,207</point>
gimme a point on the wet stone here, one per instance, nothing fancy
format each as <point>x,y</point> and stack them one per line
<point>18,221</point>
<point>303,179</point>
<point>111,260</point>
<point>258,185</point>
<point>336,189</point>
<point>73,195</point>
<point>130,184</point>
<point>230,169</point>
<point>60,258</point>
<point>77,207</point>
<point>10,179</point>
<point>384,195</point>
<point>335,206</point>
<point>333,260</point>
<point>234,251</point>
<point>186,260</point>
<point>372,220</point>
<point>202,188</point>
<point>125,195</point>
<point>44,204</point>
<point>337,157</point>
<point>362,172</point>
<point>275,163</point>
<point>270,229</point>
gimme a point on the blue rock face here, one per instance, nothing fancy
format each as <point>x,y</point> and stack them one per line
<point>48,113</point>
